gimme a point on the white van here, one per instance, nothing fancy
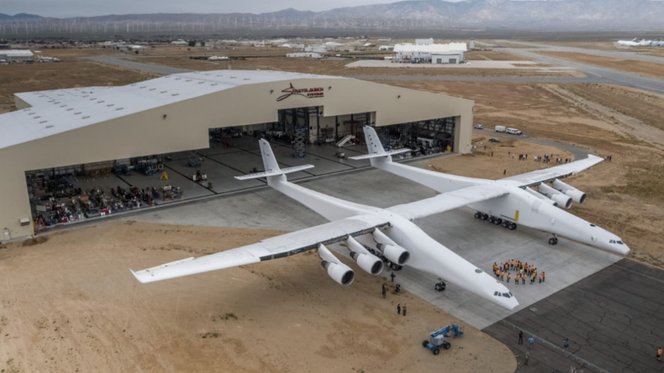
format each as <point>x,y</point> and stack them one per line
<point>500,128</point>
<point>513,131</point>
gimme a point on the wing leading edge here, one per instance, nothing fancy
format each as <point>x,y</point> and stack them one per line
<point>448,201</point>
<point>556,172</point>
<point>272,248</point>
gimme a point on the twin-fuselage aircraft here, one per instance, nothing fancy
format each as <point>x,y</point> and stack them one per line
<point>372,236</point>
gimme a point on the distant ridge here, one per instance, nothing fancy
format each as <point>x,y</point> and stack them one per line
<point>561,15</point>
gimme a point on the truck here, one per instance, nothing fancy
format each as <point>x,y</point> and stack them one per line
<point>438,338</point>
<point>513,131</point>
<point>500,128</point>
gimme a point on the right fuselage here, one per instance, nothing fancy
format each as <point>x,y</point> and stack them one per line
<point>522,208</point>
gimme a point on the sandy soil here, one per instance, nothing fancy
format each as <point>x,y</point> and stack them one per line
<point>492,55</point>
<point>70,305</point>
<point>489,160</point>
<point>651,69</point>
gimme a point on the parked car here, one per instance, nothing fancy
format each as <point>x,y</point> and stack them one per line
<point>478,126</point>
<point>493,139</point>
<point>500,128</point>
<point>513,131</point>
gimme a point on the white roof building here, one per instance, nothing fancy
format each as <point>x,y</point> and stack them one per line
<point>77,126</point>
<point>16,53</point>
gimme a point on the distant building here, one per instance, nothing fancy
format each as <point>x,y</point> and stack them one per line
<point>16,55</point>
<point>304,55</point>
<point>451,53</point>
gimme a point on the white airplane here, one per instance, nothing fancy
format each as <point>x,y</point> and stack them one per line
<point>635,43</point>
<point>390,233</point>
<point>507,202</point>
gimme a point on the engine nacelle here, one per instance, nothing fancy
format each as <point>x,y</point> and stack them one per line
<point>392,251</point>
<point>561,199</point>
<point>576,195</point>
<point>364,259</point>
<point>339,272</point>
<point>541,197</point>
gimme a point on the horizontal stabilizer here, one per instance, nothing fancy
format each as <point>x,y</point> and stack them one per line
<point>281,171</point>
<point>379,155</point>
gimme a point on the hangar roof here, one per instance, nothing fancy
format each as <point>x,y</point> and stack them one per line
<point>63,110</point>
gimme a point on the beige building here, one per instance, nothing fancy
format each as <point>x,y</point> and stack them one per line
<point>174,113</point>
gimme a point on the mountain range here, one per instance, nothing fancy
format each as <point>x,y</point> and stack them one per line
<point>426,15</point>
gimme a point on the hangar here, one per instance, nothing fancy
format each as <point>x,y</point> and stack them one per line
<point>71,129</point>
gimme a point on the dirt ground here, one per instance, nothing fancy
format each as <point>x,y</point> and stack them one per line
<point>643,68</point>
<point>70,304</point>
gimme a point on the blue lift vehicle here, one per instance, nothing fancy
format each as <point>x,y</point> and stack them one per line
<point>438,338</point>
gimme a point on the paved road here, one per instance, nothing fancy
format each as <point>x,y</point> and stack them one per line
<point>614,320</point>
<point>595,73</point>
<point>128,64</point>
<point>621,54</point>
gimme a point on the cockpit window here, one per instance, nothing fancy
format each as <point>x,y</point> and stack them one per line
<point>620,242</point>
<point>592,225</point>
<point>499,294</point>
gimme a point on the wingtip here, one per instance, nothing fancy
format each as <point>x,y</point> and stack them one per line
<point>137,276</point>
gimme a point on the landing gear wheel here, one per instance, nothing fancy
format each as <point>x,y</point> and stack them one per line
<point>440,286</point>
<point>553,241</point>
<point>485,216</point>
<point>478,215</point>
<point>425,343</point>
<point>512,226</point>
<point>492,220</point>
<point>499,221</point>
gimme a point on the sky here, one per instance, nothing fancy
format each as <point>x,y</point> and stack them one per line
<point>73,8</point>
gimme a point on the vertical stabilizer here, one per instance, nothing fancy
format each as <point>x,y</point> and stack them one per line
<point>374,147</point>
<point>270,163</point>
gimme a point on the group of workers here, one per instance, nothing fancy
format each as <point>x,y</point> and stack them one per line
<point>522,272</point>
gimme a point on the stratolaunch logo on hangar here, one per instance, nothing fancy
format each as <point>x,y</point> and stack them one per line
<point>304,92</point>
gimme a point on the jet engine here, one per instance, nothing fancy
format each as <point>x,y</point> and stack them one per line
<point>364,259</point>
<point>392,251</point>
<point>541,196</point>
<point>561,199</point>
<point>577,195</point>
<point>338,271</point>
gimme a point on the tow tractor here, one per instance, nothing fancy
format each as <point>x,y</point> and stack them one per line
<point>438,338</point>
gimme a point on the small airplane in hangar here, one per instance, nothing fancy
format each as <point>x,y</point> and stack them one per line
<point>388,235</point>
<point>507,202</point>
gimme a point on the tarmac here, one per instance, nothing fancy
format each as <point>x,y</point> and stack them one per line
<point>613,321</point>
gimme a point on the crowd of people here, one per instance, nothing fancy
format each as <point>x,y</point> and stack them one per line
<point>518,271</point>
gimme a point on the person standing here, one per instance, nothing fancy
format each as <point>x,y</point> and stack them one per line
<point>384,291</point>
<point>392,276</point>
<point>520,337</point>
<point>660,352</point>
<point>403,309</point>
<point>525,358</point>
<point>398,308</point>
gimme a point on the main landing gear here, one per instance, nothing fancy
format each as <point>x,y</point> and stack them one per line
<point>553,240</point>
<point>496,220</point>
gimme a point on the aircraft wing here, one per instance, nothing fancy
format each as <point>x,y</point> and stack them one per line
<point>556,172</point>
<point>448,201</point>
<point>272,248</point>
